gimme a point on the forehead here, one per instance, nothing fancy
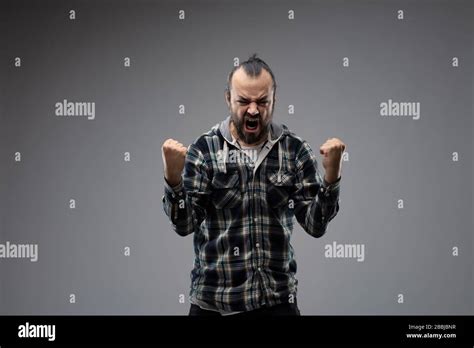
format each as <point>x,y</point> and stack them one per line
<point>251,87</point>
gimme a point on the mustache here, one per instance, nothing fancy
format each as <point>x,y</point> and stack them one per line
<point>247,116</point>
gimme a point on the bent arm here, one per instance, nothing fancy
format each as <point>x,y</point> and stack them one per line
<point>186,203</point>
<point>316,201</point>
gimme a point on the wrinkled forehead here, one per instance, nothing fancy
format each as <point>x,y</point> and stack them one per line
<point>247,86</point>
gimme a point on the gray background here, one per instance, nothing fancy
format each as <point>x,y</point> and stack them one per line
<point>186,62</point>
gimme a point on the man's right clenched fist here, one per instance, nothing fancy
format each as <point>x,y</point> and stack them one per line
<point>174,154</point>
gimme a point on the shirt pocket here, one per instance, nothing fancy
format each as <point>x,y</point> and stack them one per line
<point>279,191</point>
<point>226,193</point>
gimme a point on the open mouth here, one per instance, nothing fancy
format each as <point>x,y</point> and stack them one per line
<point>251,125</point>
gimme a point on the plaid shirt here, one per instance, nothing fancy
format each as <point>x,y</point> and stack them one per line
<point>242,212</point>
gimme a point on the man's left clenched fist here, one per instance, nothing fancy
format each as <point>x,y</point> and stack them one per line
<point>332,151</point>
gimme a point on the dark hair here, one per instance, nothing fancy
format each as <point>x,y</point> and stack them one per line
<point>252,67</point>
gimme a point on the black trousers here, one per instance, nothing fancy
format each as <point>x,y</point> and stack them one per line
<point>279,309</point>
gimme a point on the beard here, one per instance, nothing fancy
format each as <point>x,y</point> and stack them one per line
<point>250,138</point>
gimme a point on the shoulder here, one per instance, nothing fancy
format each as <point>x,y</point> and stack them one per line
<point>294,142</point>
<point>208,141</point>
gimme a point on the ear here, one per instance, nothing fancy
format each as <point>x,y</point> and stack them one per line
<point>227,97</point>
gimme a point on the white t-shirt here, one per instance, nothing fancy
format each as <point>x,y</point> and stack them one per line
<point>251,151</point>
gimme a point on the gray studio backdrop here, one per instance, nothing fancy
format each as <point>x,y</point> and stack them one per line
<point>407,182</point>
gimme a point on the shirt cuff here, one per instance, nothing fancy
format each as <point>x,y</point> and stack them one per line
<point>331,189</point>
<point>173,191</point>
<point>333,185</point>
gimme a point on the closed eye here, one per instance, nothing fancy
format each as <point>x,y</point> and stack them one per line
<point>245,102</point>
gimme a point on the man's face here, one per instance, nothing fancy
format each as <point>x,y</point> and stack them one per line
<point>251,105</point>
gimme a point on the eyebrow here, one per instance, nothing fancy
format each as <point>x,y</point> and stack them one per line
<point>246,99</point>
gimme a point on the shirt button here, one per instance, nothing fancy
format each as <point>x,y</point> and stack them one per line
<point>259,269</point>
<point>255,219</point>
<point>257,245</point>
<point>173,195</point>
<point>322,189</point>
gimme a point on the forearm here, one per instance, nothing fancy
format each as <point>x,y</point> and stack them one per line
<point>177,206</point>
<point>322,210</point>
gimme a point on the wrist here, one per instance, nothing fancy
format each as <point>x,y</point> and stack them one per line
<point>173,180</point>
<point>332,176</point>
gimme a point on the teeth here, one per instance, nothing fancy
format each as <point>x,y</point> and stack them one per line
<point>251,127</point>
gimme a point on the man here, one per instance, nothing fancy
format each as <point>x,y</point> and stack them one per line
<point>238,187</point>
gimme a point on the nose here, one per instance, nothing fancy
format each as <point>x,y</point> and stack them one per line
<point>253,110</point>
